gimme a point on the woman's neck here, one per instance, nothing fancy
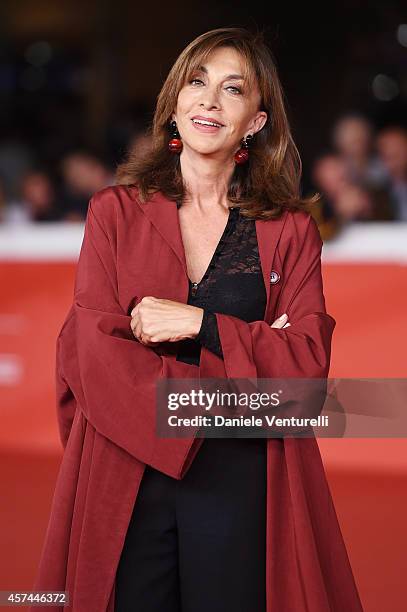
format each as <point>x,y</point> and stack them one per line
<point>206,179</point>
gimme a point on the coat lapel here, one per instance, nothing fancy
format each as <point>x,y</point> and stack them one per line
<point>163,214</point>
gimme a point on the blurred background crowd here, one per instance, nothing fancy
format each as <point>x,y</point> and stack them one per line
<point>361,177</point>
<point>77,90</point>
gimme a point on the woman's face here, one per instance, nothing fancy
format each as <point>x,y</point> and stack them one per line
<point>218,93</point>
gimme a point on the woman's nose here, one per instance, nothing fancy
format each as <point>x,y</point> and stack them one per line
<point>210,98</point>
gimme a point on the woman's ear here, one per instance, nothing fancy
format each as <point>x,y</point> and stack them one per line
<point>260,121</point>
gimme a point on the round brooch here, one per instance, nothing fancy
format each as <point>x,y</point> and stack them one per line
<point>274,277</point>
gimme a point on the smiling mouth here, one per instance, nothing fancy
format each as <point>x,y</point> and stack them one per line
<point>207,123</point>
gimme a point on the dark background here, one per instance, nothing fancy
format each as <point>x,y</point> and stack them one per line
<point>96,78</point>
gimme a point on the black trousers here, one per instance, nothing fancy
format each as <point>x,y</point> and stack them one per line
<point>199,543</point>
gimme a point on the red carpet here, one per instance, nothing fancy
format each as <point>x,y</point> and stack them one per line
<point>367,477</point>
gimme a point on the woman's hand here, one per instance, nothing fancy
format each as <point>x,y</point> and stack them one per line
<point>155,320</point>
<point>281,322</point>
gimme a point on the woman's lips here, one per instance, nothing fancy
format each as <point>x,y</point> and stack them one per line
<point>205,128</point>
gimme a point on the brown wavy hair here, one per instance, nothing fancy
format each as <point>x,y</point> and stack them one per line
<point>270,181</point>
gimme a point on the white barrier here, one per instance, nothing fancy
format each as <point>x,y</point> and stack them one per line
<point>359,242</point>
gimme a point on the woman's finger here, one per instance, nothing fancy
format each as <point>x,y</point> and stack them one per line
<point>281,321</point>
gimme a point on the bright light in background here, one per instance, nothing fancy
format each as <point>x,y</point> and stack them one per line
<point>384,87</point>
<point>402,34</point>
<point>39,53</point>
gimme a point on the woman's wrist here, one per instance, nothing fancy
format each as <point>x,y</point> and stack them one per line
<point>196,321</point>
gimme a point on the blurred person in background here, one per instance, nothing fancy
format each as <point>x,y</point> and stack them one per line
<point>392,147</point>
<point>83,174</point>
<point>38,201</point>
<point>16,159</point>
<point>353,140</point>
<point>341,200</point>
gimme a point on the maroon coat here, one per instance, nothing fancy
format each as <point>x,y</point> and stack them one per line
<point>106,404</point>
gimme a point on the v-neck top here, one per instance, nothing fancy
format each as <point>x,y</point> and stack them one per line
<point>233,284</point>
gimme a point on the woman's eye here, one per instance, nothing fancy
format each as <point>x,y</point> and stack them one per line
<point>235,88</point>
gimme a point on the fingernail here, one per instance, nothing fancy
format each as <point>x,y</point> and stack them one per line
<point>283,315</point>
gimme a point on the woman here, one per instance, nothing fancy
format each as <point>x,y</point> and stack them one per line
<point>184,266</point>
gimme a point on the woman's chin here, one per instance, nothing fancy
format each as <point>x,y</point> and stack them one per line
<point>209,151</point>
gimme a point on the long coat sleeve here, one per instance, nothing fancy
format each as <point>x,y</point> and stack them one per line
<point>101,365</point>
<point>106,407</point>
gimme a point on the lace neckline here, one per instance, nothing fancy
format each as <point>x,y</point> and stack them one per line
<point>232,217</point>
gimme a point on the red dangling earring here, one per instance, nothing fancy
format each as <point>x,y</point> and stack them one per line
<point>175,144</point>
<point>242,155</point>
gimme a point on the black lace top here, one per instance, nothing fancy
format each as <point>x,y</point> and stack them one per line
<point>233,284</point>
